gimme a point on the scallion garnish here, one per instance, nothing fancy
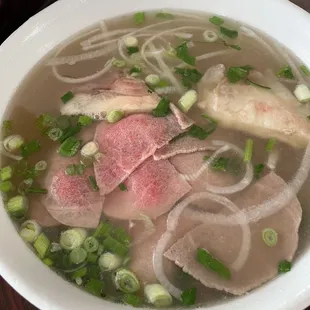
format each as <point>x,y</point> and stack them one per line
<point>80,273</point>
<point>13,143</point>
<point>132,50</point>
<point>93,183</point>
<point>198,132</point>
<point>233,34</point>
<point>256,84</point>
<point>63,122</point>
<point>114,116</point>
<point>85,120</point>
<point>135,70</point>
<point>70,131</point>
<point>6,173</point>
<point>188,297</point>
<point>40,165</point>
<point>29,148</point>
<point>92,258</point>
<point>305,70</point>
<point>162,108</point>
<point>91,244</point>
<point>157,295</point>
<point>67,97</point>
<point>44,122</point>
<point>139,18</point>
<point>72,238</point>
<point>270,144</point>
<point>208,261</point>
<point>219,164</point>
<point>6,186</point>
<point>164,15</point>
<point>95,287</point>
<point>69,147</point>
<point>109,261</point>
<point>218,21</point>
<point>42,245</point>
<point>78,256</point>
<point>131,300</point>
<point>114,246</point>
<point>258,170</point>
<point>286,73</point>
<point>36,190</point>
<point>123,187</point>
<point>121,235</point>
<point>55,134</point>
<point>182,52</point>
<point>17,206</point>
<point>126,281</point>
<point>248,152</point>
<point>6,127</point>
<point>103,230</point>
<point>189,77</point>
<point>270,236</point>
<point>75,169</point>
<point>284,266</point>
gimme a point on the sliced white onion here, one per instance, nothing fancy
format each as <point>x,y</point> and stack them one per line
<point>149,227</point>
<point>5,153</point>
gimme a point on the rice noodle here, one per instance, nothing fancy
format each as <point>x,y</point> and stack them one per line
<point>172,223</point>
<point>273,159</point>
<point>269,207</point>
<point>241,185</point>
<point>167,71</point>
<point>103,26</point>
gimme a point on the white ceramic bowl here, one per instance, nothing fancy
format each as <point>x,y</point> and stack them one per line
<point>18,265</point>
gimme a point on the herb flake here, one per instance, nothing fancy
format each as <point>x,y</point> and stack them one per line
<point>233,34</point>
<point>305,70</point>
<point>139,18</point>
<point>284,266</point>
<point>198,132</point>
<point>182,53</point>
<point>236,74</point>
<point>215,20</point>
<point>162,108</point>
<point>286,73</point>
<point>258,170</point>
<point>93,183</point>
<point>189,77</point>
<point>29,148</point>
<point>188,297</point>
<point>132,50</point>
<point>123,187</point>
<point>67,97</point>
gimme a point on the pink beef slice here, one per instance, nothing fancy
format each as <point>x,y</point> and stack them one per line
<point>152,190</point>
<point>224,242</point>
<point>128,143</point>
<point>141,254</point>
<point>184,145</point>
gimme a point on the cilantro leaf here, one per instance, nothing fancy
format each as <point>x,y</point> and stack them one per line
<point>215,20</point>
<point>188,296</point>
<point>286,73</point>
<point>183,53</point>
<point>189,76</point>
<point>29,148</point>
<point>162,108</point>
<point>233,34</point>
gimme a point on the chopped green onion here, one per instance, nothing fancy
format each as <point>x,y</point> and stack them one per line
<point>72,238</point>
<point>208,261</point>
<point>103,230</point>
<point>183,53</point>
<point>93,183</point>
<point>79,281</point>
<point>114,116</point>
<point>55,247</point>
<point>13,143</point>
<point>233,34</point>
<point>36,190</point>
<point>123,187</point>
<point>92,258</point>
<point>135,70</point>
<point>188,297</point>
<point>95,287</point>
<point>70,132</point>
<point>257,85</point>
<point>210,36</point>
<point>91,244</point>
<point>63,122</point>
<point>258,169</point>
<point>69,147</point>
<point>188,100</point>
<point>164,15</point>
<point>152,79</point>
<point>219,164</point>
<point>248,152</point>
<point>29,148</point>
<point>44,122</point>
<point>17,206</point>
<point>6,127</point>
<point>162,108</point>
<point>305,70</point>
<point>236,74</point>
<point>121,235</point>
<point>132,300</point>
<point>90,149</point>
<point>40,165</point>
<point>139,18</point>
<point>100,249</point>
<point>75,169</point>
<point>284,266</point>
<point>131,41</point>
<point>189,77</point>
<point>109,261</point>
<point>270,145</point>
<point>302,93</point>
<point>85,120</point>
<point>55,134</point>
<point>126,281</point>
<point>6,173</point>
<point>67,97</point>
<point>286,73</point>
<point>218,21</point>
<point>24,186</point>
<point>157,295</point>
<point>42,245</point>
<point>270,236</point>
<point>162,84</point>
<point>48,262</point>
<point>6,186</point>
<point>118,63</point>
<point>78,256</point>
<point>198,132</point>
<point>80,273</point>
<point>30,230</point>
<point>132,50</point>
<point>93,272</point>
<point>114,246</point>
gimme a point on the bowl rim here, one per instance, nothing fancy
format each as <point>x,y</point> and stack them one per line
<point>40,34</point>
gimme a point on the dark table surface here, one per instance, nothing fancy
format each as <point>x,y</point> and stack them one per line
<point>12,14</point>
